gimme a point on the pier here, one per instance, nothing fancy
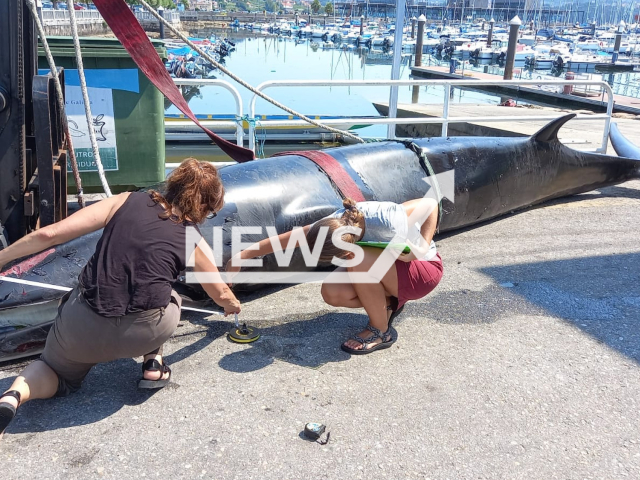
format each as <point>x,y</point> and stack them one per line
<point>622,103</point>
<point>583,135</point>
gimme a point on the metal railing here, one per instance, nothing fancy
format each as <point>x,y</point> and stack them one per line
<point>237,124</point>
<point>446,118</point>
<point>61,17</point>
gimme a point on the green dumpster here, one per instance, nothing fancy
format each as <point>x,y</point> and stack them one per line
<point>127,110</point>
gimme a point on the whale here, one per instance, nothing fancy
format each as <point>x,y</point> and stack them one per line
<point>490,177</point>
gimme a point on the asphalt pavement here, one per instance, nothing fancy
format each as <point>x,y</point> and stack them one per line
<point>522,364</point>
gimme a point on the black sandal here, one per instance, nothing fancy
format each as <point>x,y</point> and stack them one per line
<point>8,411</point>
<point>386,337</point>
<point>152,365</point>
<point>394,309</point>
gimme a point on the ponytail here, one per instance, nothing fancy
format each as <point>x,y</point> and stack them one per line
<point>351,215</point>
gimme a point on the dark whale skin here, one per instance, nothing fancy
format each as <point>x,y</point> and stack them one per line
<point>493,176</point>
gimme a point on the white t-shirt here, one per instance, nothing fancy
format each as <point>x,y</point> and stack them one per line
<point>388,222</point>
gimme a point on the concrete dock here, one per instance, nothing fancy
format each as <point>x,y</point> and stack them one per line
<point>523,363</point>
<point>578,134</point>
<point>621,103</point>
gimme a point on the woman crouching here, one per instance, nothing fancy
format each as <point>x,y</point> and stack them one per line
<point>124,305</point>
<point>381,281</point>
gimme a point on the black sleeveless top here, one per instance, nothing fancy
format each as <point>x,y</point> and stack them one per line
<point>136,261</point>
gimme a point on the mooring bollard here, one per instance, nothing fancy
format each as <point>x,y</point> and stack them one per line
<point>616,45</point>
<point>415,94</point>
<point>568,89</point>
<point>490,35</point>
<point>361,24</point>
<point>419,42</point>
<point>161,13</point>
<point>514,26</point>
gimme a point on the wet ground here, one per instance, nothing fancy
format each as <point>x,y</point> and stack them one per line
<point>523,363</point>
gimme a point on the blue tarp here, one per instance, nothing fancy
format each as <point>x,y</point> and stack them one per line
<point>179,52</point>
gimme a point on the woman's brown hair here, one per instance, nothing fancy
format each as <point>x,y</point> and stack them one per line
<point>351,217</point>
<point>193,190</point>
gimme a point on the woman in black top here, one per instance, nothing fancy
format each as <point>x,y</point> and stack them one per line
<point>124,305</point>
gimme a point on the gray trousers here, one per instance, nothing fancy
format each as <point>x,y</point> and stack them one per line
<point>80,338</point>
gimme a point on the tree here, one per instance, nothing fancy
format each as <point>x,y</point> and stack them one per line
<point>271,5</point>
<point>161,3</point>
<point>315,6</point>
<point>328,8</point>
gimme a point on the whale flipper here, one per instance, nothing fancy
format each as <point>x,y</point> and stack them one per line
<point>622,146</point>
<point>549,133</point>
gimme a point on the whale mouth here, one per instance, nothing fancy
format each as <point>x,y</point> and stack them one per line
<point>29,315</point>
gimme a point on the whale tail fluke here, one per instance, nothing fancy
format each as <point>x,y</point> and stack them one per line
<point>622,146</point>
<point>549,133</point>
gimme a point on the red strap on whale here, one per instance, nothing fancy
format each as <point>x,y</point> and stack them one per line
<point>127,29</point>
<point>334,170</point>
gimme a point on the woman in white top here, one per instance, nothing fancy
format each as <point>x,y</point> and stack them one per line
<point>383,290</point>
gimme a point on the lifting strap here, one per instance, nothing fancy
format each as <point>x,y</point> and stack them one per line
<point>127,29</point>
<point>334,170</point>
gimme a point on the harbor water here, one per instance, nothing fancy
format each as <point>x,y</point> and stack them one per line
<point>258,58</point>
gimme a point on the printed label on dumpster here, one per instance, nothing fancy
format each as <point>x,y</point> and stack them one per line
<point>103,125</point>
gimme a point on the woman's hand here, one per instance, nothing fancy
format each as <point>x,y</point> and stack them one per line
<point>232,307</point>
<point>416,252</point>
<point>407,257</point>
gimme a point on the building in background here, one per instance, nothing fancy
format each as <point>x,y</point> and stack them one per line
<point>203,5</point>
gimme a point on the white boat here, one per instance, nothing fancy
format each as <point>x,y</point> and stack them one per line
<point>483,53</point>
<point>522,52</point>
<point>318,31</point>
<point>591,44</point>
<point>527,40</point>
<point>382,41</point>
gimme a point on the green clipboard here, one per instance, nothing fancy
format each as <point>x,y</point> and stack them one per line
<point>405,248</point>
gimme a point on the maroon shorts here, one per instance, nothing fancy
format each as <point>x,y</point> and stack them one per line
<point>417,278</point>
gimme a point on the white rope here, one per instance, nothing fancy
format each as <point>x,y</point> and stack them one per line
<point>85,97</point>
<point>223,69</point>
<point>67,289</point>
<point>60,98</point>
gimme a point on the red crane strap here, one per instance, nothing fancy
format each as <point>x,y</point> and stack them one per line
<point>334,170</point>
<point>127,29</point>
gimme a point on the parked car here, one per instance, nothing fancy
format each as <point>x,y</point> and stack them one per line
<point>92,7</point>
<point>47,5</point>
<point>78,7</point>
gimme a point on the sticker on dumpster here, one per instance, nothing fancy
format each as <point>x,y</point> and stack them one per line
<point>104,128</point>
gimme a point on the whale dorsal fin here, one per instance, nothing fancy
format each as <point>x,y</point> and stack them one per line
<point>549,132</point>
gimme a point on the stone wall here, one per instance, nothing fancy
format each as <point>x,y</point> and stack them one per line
<point>83,29</point>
